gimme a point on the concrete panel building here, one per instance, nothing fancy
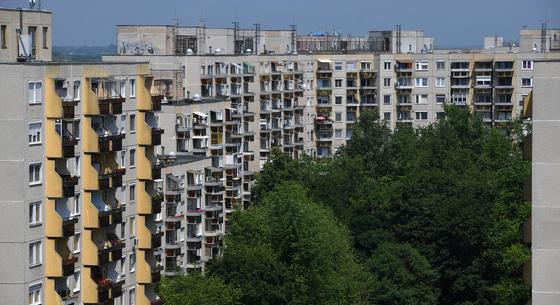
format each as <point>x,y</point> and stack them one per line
<point>545,176</point>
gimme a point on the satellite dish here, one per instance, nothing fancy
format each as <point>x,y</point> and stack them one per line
<point>249,51</point>
<point>196,97</point>
<point>218,51</point>
<point>190,52</point>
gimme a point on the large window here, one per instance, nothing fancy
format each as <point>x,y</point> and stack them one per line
<point>35,250</point>
<point>34,92</point>
<point>35,133</point>
<point>35,213</point>
<point>34,173</point>
<point>34,295</point>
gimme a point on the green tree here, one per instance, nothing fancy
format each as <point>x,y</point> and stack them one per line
<point>195,289</point>
<point>289,250</point>
<point>400,275</point>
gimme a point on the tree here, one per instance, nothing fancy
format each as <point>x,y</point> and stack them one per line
<point>195,289</point>
<point>289,250</point>
<point>400,275</point>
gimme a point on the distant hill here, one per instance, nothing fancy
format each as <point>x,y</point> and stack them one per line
<point>83,53</point>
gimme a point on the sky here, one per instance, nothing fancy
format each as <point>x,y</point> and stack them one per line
<point>453,23</point>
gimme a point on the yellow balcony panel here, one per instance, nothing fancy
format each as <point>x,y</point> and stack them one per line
<point>93,217</point>
<point>59,259</point>
<point>55,225</point>
<point>90,101</point>
<point>51,295</point>
<point>143,97</point>
<point>143,130</point>
<point>53,141</point>
<point>145,295</point>
<point>92,179</point>
<point>53,102</point>
<point>143,268</point>
<point>90,251</point>
<point>144,164</point>
<point>53,181</point>
<point>91,292</point>
<point>144,234</point>
<point>90,139</point>
<point>148,201</point>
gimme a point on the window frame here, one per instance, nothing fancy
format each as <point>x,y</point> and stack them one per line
<point>40,181</point>
<point>527,65</point>
<point>418,83</point>
<point>35,261</point>
<point>40,137</point>
<point>35,214</point>
<point>37,93</point>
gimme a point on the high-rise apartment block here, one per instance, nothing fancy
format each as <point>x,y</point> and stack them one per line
<point>116,171</point>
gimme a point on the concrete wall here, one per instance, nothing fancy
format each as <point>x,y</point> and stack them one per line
<point>545,191</point>
<point>10,18</point>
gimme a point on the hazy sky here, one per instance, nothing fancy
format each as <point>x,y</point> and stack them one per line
<point>451,22</point>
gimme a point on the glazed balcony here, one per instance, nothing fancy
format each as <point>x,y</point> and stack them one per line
<point>60,259</point>
<point>59,222</point>
<point>59,182</point>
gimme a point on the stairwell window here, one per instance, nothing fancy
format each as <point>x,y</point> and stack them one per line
<point>387,82</point>
<point>132,158</point>
<point>387,65</point>
<point>35,133</point>
<point>3,37</point>
<point>527,65</point>
<point>35,173</point>
<point>132,195</point>
<point>34,92</point>
<point>45,37</point>
<point>132,123</point>
<point>35,251</point>
<point>35,213</point>
<point>527,82</point>
<point>77,93</point>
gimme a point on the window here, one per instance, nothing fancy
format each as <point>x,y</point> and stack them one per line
<point>387,116</point>
<point>122,162</point>
<point>338,65</point>
<point>35,133</point>
<point>387,65</point>
<point>387,82</point>
<point>35,294</point>
<point>77,93</point>
<point>34,92</point>
<point>132,296</point>
<point>338,116</point>
<point>35,213</point>
<point>338,133</point>
<point>421,66</point>
<point>123,224</point>
<point>76,243</point>
<point>440,65</point>
<point>440,115</point>
<point>132,262</point>
<point>3,37</point>
<point>421,115</point>
<point>45,37</point>
<point>132,157</point>
<point>421,82</point>
<point>387,99</point>
<point>527,82</point>
<point>366,65</point>
<point>440,98</point>
<point>35,173</point>
<point>440,82</point>
<point>35,250</point>
<point>76,281</point>
<point>123,265</point>
<point>132,88</point>
<point>132,123</point>
<point>32,31</point>
<point>527,65</point>
<point>77,204</point>
<point>338,100</point>
<point>422,99</point>
<point>132,227</point>
<point>123,87</point>
<point>131,195</point>
<point>337,83</point>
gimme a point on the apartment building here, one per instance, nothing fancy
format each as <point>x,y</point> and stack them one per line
<point>78,179</point>
<point>33,28</point>
<point>543,227</point>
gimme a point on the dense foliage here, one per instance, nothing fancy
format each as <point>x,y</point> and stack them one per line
<point>433,216</point>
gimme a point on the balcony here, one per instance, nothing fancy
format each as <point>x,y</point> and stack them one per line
<point>144,100</point>
<point>96,288</point>
<point>147,167</point>
<point>57,145</point>
<point>148,134</point>
<point>145,230</point>
<point>156,102</point>
<point>59,223</point>
<point>148,201</point>
<point>59,182</point>
<point>60,259</point>
<point>111,105</point>
<point>144,274</point>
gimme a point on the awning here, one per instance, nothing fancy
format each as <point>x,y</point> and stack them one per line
<point>325,61</point>
<point>200,114</point>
